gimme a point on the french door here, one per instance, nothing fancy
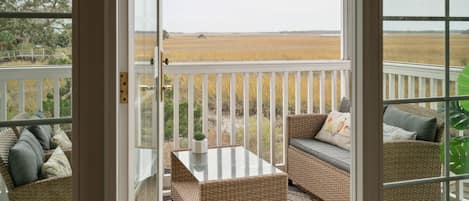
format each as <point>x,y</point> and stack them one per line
<point>145,103</point>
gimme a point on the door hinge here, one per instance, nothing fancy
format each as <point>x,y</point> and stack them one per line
<point>124,87</point>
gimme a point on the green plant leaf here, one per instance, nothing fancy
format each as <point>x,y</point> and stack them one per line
<point>458,155</point>
<point>459,110</point>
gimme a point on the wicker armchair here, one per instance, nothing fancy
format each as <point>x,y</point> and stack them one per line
<point>51,189</point>
<point>403,160</point>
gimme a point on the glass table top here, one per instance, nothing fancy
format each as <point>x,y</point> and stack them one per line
<point>225,163</point>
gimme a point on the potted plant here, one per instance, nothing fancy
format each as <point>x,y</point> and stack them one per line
<point>199,143</point>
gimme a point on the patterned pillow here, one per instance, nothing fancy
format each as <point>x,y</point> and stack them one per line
<point>336,130</point>
<point>57,165</point>
<point>60,139</point>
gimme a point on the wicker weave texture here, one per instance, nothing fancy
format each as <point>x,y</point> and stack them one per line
<point>403,160</point>
<point>318,177</point>
<point>53,189</point>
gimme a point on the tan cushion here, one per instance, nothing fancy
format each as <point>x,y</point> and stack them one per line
<point>60,139</point>
<point>336,130</point>
<point>57,165</point>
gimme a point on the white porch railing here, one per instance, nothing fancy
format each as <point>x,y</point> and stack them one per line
<point>324,71</point>
<point>39,74</point>
<point>402,80</point>
<point>417,77</point>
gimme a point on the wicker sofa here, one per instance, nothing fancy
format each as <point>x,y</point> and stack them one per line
<point>324,171</point>
<point>51,189</point>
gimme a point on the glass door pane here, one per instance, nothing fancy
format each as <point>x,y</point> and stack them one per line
<point>144,101</point>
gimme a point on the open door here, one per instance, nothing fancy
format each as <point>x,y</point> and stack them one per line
<point>145,103</point>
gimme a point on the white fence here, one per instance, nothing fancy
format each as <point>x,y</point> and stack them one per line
<point>338,70</point>
<point>38,74</point>
<point>402,80</point>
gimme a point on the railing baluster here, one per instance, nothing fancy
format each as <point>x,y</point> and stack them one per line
<point>219,109</point>
<point>347,83</point>
<point>21,95</point>
<point>411,87</point>
<point>284,114</point>
<point>39,95</point>
<point>433,92</point>
<point>392,86</point>
<point>334,91</point>
<point>56,98</point>
<point>272,116</point>
<point>205,104</point>
<point>400,86</point>
<point>310,92</point>
<point>322,93</point>
<point>233,108</point>
<point>385,86</point>
<point>190,109</point>
<point>246,109</point>
<point>3,100</point>
<point>343,84</point>
<point>298,93</point>
<point>422,88</point>
<point>176,112</point>
<point>259,114</point>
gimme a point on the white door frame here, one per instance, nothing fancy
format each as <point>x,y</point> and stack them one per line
<point>361,25</point>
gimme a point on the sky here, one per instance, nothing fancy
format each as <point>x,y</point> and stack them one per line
<point>191,16</point>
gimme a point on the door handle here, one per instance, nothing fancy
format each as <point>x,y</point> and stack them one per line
<point>164,62</point>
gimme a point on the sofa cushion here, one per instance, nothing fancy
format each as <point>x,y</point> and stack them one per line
<point>331,154</point>
<point>336,130</point>
<point>25,159</point>
<point>425,127</point>
<point>60,139</point>
<point>43,133</point>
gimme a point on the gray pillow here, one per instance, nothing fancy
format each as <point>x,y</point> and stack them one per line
<point>25,159</point>
<point>43,133</point>
<point>344,105</point>
<point>425,127</point>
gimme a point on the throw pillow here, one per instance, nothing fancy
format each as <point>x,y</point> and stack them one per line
<point>60,139</point>
<point>25,159</point>
<point>336,130</point>
<point>57,165</point>
<point>42,132</point>
<point>425,127</point>
<point>393,133</point>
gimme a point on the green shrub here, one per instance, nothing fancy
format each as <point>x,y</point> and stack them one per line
<point>199,136</point>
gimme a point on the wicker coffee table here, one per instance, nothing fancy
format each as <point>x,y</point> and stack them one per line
<point>225,174</point>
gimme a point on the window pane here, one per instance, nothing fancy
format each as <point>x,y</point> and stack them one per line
<point>414,42</point>
<point>459,43</point>
<point>459,132</point>
<point>35,42</point>
<point>43,47</point>
<point>458,8</point>
<point>414,58</point>
<point>412,134</point>
<point>414,7</point>
<point>457,190</point>
<point>431,191</point>
<point>56,6</point>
